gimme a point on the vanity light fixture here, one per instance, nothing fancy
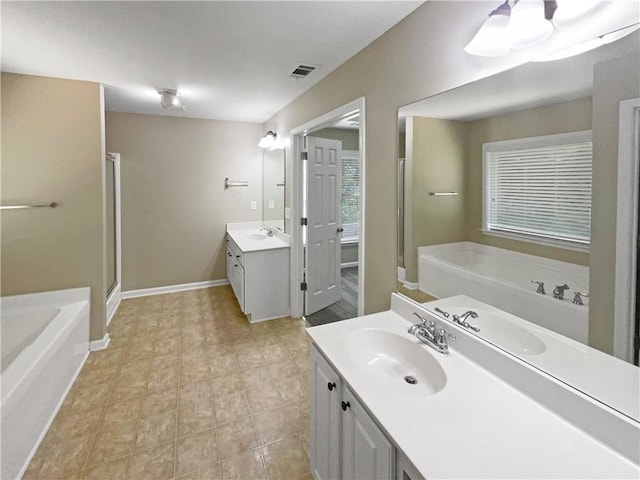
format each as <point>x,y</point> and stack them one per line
<point>589,44</point>
<point>522,23</point>
<point>268,140</point>
<point>527,24</point>
<point>169,99</point>
<point>490,40</point>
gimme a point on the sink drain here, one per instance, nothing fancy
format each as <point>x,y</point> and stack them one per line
<point>410,380</point>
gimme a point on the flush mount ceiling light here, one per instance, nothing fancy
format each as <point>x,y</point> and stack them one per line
<point>268,140</point>
<point>522,23</point>
<point>169,99</point>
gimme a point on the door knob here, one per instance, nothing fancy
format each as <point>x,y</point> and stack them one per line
<point>339,229</point>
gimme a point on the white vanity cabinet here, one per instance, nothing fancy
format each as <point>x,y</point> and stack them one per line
<point>345,441</point>
<point>259,277</point>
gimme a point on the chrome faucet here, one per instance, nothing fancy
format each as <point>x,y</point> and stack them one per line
<point>577,297</point>
<point>540,287</point>
<point>269,232</point>
<point>462,320</point>
<point>558,292</point>
<point>428,334</point>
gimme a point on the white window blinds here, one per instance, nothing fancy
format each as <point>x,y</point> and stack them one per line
<point>350,196</point>
<point>540,188</point>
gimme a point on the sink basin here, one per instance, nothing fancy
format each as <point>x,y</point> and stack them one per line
<point>504,333</point>
<point>256,236</point>
<point>395,362</point>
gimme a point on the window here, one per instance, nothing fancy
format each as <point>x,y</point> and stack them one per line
<point>350,195</point>
<point>539,189</point>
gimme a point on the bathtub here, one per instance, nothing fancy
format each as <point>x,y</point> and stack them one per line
<point>502,278</point>
<point>44,343</point>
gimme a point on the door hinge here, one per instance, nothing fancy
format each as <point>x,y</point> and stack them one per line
<point>303,155</point>
<point>303,221</point>
<point>303,286</point>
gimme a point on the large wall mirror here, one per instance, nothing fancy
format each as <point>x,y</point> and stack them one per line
<point>509,183</point>
<point>273,187</point>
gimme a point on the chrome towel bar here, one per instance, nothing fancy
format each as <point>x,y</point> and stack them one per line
<point>18,207</point>
<point>232,183</point>
<point>443,194</point>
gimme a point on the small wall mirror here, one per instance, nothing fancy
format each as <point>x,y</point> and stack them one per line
<point>273,187</point>
<point>470,225</point>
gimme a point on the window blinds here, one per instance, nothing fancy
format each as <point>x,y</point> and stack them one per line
<point>541,191</point>
<point>350,197</point>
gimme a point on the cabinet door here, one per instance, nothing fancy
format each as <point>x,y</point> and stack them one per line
<point>239,284</point>
<point>325,419</point>
<point>230,268</point>
<point>366,452</point>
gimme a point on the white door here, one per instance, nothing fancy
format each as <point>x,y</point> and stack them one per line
<point>324,180</point>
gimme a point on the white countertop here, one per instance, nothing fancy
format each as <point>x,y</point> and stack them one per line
<point>241,233</point>
<point>477,426</point>
<point>595,373</point>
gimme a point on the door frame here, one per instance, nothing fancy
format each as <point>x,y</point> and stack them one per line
<point>297,248</point>
<point>626,229</point>
<point>113,300</point>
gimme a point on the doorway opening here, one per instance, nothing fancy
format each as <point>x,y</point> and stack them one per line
<point>327,240</point>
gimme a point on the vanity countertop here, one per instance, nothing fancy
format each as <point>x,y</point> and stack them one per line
<point>477,426</point>
<point>245,236</point>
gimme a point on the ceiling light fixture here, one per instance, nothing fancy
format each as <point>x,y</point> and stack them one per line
<point>268,140</point>
<point>523,23</point>
<point>169,99</point>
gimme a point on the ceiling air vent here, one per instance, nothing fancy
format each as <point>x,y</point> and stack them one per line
<point>302,71</point>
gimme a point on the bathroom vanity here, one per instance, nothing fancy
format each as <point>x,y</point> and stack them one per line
<point>258,269</point>
<point>385,405</point>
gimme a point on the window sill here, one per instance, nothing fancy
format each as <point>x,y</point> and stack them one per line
<point>547,242</point>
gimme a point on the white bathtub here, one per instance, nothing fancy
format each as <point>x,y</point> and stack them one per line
<point>502,278</point>
<point>44,343</point>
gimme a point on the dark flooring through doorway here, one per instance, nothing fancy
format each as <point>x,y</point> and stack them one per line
<point>347,307</point>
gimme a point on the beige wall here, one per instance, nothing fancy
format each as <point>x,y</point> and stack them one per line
<point>420,56</point>
<point>563,117</point>
<point>52,151</point>
<point>435,162</point>
<point>613,82</point>
<point>174,205</point>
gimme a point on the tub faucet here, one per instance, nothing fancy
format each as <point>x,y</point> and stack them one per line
<point>558,292</point>
<point>577,297</point>
<point>540,287</point>
<point>462,320</point>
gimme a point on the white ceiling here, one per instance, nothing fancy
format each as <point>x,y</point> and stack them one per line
<point>230,60</point>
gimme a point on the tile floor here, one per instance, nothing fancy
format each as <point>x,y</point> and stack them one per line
<point>187,389</point>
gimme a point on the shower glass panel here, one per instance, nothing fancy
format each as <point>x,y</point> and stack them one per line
<point>111,225</point>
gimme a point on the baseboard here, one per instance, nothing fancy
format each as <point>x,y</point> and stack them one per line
<point>410,285</point>
<point>402,274</point>
<point>101,344</point>
<point>348,264</point>
<point>145,292</point>
<point>113,302</point>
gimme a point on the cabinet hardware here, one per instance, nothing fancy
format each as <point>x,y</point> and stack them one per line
<point>345,405</point>
<point>331,385</point>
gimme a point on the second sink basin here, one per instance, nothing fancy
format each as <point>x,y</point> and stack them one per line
<point>256,236</point>
<point>395,362</point>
